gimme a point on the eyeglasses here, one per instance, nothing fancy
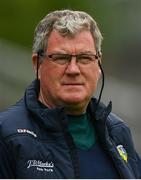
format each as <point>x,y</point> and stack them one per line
<point>64,59</point>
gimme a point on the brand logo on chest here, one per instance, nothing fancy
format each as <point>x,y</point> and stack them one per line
<point>41,166</point>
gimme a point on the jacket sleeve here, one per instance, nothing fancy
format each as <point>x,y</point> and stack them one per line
<point>6,162</point>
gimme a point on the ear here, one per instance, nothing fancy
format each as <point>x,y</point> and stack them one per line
<point>100,57</point>
<point>35,60</point>
<point>99,63</point>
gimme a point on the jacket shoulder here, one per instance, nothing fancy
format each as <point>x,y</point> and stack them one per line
<point>13,118</point>
<point>117,127</point>
<point>113,120</point>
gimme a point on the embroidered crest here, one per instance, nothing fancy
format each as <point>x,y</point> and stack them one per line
<point>122,152</point>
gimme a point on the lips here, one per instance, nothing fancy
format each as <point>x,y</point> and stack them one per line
<point>73,84</point>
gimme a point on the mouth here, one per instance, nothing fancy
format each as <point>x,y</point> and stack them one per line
<point>72,84</point>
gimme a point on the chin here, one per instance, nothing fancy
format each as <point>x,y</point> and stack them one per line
<point>74,99</point>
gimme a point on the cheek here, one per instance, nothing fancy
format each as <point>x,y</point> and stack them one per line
<point>49,75</point>
<point>44,70</point>
<point>45,76</point>
<point>95,74</point>
<point>93,79</point>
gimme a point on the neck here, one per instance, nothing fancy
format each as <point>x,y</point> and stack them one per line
<point>43,101</point>
<point>75,110</point>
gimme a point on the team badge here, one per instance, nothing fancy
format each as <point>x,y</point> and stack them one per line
<point>122,152</point>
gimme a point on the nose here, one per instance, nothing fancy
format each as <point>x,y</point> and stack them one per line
<point>73,68</point>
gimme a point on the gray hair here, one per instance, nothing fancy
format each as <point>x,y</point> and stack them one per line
<point>67,23</point>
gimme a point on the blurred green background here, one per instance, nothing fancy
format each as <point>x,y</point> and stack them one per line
<point>119,21</point>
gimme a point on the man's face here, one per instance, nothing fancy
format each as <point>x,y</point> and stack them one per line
<point>69,85</point>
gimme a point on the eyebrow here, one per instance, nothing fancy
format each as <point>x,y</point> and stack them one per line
<point>81,52</point>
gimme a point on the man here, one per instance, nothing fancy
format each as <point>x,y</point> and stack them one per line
<point>58,130</point>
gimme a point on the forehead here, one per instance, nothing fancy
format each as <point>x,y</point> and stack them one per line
<point>83,40</point>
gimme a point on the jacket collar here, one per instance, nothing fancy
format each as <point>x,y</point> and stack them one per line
<point>45,117</point>
<point>100,119</point>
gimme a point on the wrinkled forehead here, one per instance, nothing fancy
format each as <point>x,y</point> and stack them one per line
<point>81,41</point>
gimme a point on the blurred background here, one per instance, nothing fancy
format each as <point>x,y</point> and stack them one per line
<point>120,23</point>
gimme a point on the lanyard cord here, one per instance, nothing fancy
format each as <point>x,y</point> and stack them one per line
<point>102,86</point>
